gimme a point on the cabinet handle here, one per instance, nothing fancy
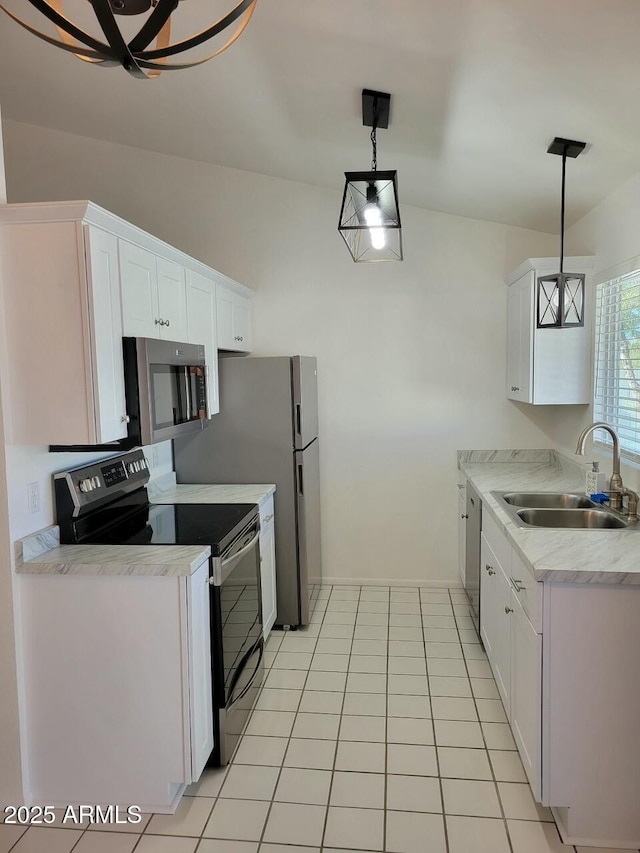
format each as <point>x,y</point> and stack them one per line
<point>160,323</point>
<point>490,570</point>
<point>125,419</point>
<point>167,322</point>
<point>516,388</point>
<point>517,585</point>
<point>268,518</point>
<point>508,610</point>
<point>464,516</point>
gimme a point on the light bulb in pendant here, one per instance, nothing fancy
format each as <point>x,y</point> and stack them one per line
<point>373,218</point>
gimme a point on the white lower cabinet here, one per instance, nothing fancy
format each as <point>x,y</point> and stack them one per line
<point>526,693</point>
<point>495,630</point>
<point>268,566</point>
<point>117,681</point>
<point>462,532</point>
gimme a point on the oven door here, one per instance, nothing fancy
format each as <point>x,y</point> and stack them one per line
<point>237,641</point>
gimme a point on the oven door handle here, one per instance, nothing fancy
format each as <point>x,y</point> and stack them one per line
<point>227,566</point>
<point>231,700</point>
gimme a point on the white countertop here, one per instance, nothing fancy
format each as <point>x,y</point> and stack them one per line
<point>203,493</point>
<point>558,556</point>
<point>158,560</point>
<point>41,553</point>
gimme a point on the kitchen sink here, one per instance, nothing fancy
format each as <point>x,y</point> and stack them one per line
<point>587,519</point>
<point>548,500</point>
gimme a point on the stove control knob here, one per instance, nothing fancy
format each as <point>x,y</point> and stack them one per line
<point>95,482</point>
<point>85,485</point>
<point>137,466</point>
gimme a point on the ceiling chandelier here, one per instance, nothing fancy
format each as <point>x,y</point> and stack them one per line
<point>370,216</point>
<point>134,55</point>
<point>560,296</point>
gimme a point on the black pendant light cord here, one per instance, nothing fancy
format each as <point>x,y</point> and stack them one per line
<point>374,140</point>
<point>564,169</point>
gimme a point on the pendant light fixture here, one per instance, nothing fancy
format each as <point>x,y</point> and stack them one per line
<point>560,297</point>
<point>111,48</point>
<point>370,215</point>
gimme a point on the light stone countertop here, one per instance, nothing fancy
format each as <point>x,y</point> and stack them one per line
<point>557,556</point>
<point>203,493</point>
<point>156,560</point>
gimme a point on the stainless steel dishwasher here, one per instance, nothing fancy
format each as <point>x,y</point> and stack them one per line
<point>472,550</point>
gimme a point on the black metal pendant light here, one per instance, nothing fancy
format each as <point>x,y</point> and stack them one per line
<point>134,55</point>
<point>370,215</point>
<point>560,297</point>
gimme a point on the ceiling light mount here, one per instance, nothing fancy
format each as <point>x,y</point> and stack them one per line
<point>561,297</point>
<point>370,216</point>
<point>135,55</point>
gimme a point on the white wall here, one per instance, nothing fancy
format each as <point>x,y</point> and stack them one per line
<point>610,232</point>
<point>411,356</point>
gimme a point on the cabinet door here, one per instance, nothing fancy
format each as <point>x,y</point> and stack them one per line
<point>201,328</point>
<point>268,578</point>
<point>462,532</point>
<point>520,320</point>
<point>200,695</point>
<point>234,320</point>
<point>495,630</point>
<point>139,282</point>
<point>526,694</point>
<point>172,301</point>
<point>242,323</point>
<point>105,328</point>
<point>224,311</point>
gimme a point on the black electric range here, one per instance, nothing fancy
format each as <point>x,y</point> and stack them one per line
<point>106,503</point>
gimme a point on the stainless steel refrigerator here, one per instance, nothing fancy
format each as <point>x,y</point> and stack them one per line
<point>267,432</point>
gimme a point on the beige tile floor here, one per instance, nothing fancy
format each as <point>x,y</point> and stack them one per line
<point>379,728</point>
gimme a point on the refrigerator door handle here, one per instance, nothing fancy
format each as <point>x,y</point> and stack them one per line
<point>300,480</point>
<point>298,418</point>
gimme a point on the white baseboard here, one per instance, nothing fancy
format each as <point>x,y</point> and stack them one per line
<point>434,584</point>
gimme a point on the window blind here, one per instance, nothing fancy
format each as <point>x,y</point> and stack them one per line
<point>617,361</point>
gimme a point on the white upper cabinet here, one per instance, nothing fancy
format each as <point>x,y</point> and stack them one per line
<point>154,302</point>
<point>201,328</point>
<point>234,317</point>
<point>101,254</point>
<point>546,366</point>
<point>63,330</point>
<point>76,280</point>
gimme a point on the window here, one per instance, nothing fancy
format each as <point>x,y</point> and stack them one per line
<point>617,361</point>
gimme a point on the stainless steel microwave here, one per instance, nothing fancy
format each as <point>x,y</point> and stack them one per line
<point>166,389</point>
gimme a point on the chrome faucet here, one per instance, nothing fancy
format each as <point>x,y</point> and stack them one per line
<point>616,487</point>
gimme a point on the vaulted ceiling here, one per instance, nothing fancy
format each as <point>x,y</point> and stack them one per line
<point>480,87</point>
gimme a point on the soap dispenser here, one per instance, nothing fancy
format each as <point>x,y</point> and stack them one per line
<point>596,481</point>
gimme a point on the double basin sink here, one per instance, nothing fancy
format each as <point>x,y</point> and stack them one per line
<point>564,510</point>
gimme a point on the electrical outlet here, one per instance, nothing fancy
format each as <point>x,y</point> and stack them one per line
<point>33,498</point>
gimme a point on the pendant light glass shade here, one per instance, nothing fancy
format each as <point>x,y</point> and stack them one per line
<point>370,216</point>
<point>110,46</point>
<point>560,297</point>
<point>561,300</point>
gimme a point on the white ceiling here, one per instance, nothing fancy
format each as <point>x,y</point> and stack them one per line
<point>480,87</point>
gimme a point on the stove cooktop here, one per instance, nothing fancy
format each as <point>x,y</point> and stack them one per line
<point>216,525</point>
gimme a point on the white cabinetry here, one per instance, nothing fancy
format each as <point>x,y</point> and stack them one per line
<point>63,330</point>
<point>510,621</point>
<point>154,302</point>
<point>268,566</point>
<point>133,723</point>
<point>201,328</point>
<point>234,317</point>
<point>545,366</point>
<point>462,532</point>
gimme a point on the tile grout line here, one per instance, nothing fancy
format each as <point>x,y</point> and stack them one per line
<point>484,740</point>
<point>335,754</point>
<point>284,756</point>
<point>433,728</point>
